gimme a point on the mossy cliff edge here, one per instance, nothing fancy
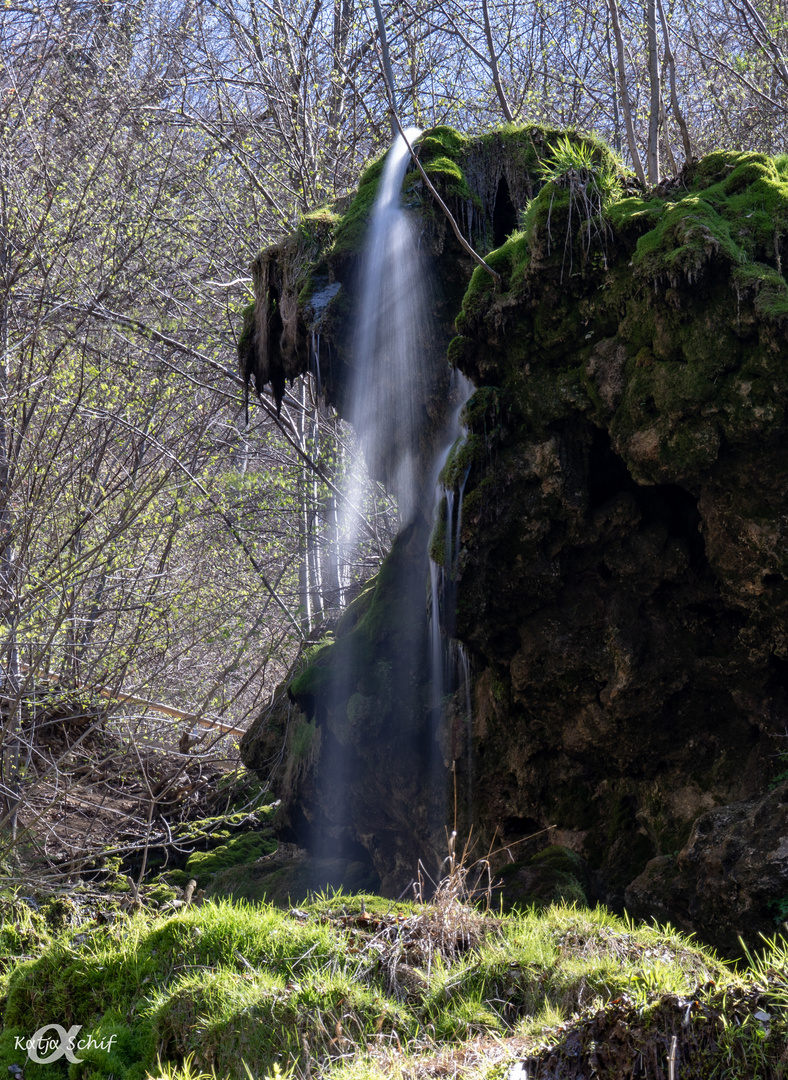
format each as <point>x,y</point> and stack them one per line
<point>622,568</point>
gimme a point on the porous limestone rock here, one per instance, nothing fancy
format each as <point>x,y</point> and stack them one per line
<point>623,570</point>
<point>731,877</point>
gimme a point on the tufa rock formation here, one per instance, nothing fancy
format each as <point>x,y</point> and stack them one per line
<point>622,575</point>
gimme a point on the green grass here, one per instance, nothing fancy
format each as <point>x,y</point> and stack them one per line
<point>356,987</point>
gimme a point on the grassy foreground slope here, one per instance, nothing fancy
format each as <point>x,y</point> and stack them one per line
<point>358,987</point>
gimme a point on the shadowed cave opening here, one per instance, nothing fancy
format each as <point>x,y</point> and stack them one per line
<point>504,214</point>
<point>275,330</point>
<point>671,505</point>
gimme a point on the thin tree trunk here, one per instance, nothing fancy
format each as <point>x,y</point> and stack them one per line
<point>614,95</point>
<point>11,729</point>
<point>333,572</point>
<point>655,94</point>
<point>626,108</point>
<point>384,48</point>
<point>343,17</point>
<point>668,149</point>
<point>674,98</point>
<point>496,75</point>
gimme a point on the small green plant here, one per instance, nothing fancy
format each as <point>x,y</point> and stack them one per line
<point>584,164</point>
<point>568,155</point>
<point>592,181</point>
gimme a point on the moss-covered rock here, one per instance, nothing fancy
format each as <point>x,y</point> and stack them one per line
<point>360,987</point>
<point>291,876</point>
<point>245,848</point>
<point>555,875</point>
<point>356,780</point>
<point>622,581</point>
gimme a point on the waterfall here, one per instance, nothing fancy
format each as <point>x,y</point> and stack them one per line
<point>390,402</point>
<point>389,342</point>
<point>385,405</point>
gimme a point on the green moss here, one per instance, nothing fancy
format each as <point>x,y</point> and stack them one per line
<point>350,231</point>
<point>688,234</point>
<point>222,1021</point>
<point>172,879</point>
<point>302,739</point>
<point>241,789</point>
<point>126,980</point>
<point>245,848</point>
<point>23,931</point>
<point>162,893</point>
<point>322,217</point>
<point>221,826</point>
<point>554,875</point>
<point>234,987</point>
<point>288,881</point>
<point>442,140</point>
<point>448,175</point>
<point>694,376</point>
<point>768,286</point>
<point>736,209</point>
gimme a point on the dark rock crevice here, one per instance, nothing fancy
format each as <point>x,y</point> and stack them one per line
<point>504,217</point>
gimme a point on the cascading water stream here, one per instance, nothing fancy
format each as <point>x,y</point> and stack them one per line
<point>388,346</point>
<point>449,665</point>
<point>390,402</point>
<point>385,407</point>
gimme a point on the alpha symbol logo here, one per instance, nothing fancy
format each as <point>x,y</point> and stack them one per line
<point>45,1049</point>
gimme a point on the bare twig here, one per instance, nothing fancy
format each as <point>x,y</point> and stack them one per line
<point>389,82</point>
